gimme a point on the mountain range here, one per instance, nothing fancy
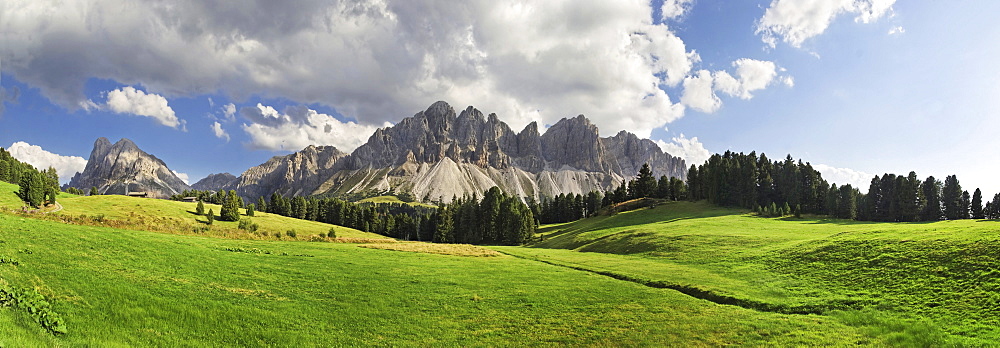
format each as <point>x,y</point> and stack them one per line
<point>434,155</point>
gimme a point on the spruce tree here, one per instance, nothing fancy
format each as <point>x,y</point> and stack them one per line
<point>250,209</point>
<point>932,199</point>
<point>230,207</point>
<point>964,203</point>
<point>210,216</point>
<point>977,205</point>
<point>200,209</point>
<point>951,198</point>
<point>93,191</point>
<point>645,183</point>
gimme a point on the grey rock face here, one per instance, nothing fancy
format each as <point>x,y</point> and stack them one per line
<point>123,167</point>
<point>437,154</point>
<point>300,173</point>
<point>214,182</point>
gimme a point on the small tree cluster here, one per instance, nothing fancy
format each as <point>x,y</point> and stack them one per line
<point>231,207</point>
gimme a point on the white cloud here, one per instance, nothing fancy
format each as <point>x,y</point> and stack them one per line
<point>896,30</point>
<point>794,21</point>
<point>788,81</point>
<point>219,132</point>
<point>673,9</point>
<point>698,93</point>
<point>751,75</point>
<point>843,176</point>
<point>182,176</point>
<point>690,149</point>
<point>373,61</point>
<point>299,127</point>
<point>229,110</point>
<point>66,166</point>
<point>128,100</point>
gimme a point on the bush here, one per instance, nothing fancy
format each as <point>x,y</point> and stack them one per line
<point>248,225</point>
<point>291,233</point>
<point>332,233</point>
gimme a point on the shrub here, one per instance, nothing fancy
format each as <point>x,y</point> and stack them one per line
<point>332,233</point>
<point>291,233</point>
<point>248,225</point>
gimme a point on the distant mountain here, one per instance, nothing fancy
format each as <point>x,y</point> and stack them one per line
<point>300,173</point>
<point>214,182</point>
<point>123,167</point>
<point>436,154</point>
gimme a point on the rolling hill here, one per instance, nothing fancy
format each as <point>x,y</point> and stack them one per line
<point>938,277</point>
<point>681,273</point>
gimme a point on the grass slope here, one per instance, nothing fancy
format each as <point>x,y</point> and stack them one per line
<point>132,288</point>
<point>122,207</point>
<point>940,274</point>
<point>393,199</point>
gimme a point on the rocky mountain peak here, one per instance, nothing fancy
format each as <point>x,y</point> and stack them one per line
<point>214,182</point>
<point>123,168</point>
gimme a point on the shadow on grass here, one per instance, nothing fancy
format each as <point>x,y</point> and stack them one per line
<point>567,236</point>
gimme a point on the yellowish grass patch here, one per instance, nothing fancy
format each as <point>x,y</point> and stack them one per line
<point>432,248</point>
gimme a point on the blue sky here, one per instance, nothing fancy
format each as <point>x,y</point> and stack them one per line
<point>860,87</point>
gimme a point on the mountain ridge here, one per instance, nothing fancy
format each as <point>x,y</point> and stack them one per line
<point>437,154</point>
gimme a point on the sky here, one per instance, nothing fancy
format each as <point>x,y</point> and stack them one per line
<point>855,87</point>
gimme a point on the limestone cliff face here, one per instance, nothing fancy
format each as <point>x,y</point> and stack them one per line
<point>437,154</point>
<point>296,174</point>
<point>214,182</point>
<point>123,167</point>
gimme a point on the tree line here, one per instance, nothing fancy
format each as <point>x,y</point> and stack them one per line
<point>35,187</point>
<point>496,219</point>
<point>792,187</point>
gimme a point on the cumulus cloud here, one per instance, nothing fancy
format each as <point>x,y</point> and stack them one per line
<point>219,132</point>
<point>182,176</point>
<point>896,30</point>
<point>698,93</point>
<point>373,61</point>
<point>751,75</point>
<point>298,127</point>
<point>673,9</point>
<point>128,100</point>
<point>690,149</point>
<point>794,21</point>
<point>229,111</point>
<point>66,166</point>
<point>843,176</point>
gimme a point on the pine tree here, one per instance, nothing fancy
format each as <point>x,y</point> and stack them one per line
<point>200,209</point>
<point>210,216</point>
<point>93,191</point>
<point>250,209</point>
<point>32,188</point>
<point>977,205</point>
<point>932,199</point>
<point>951,198</point>
<point>230,207</point>
<point>964,203</point>
<point>646,182</point>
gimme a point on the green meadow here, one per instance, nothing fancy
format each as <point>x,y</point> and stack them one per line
<point>680,274</point>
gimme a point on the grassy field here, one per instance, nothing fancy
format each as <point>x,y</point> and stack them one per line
<point>687,274</point>
<point>125,288</point>
<point>941,278</point>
